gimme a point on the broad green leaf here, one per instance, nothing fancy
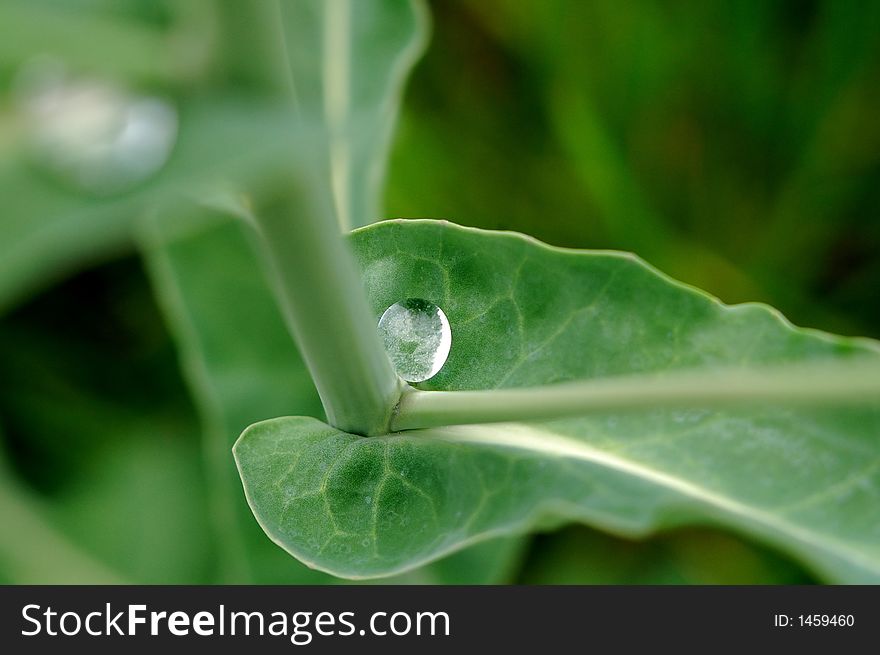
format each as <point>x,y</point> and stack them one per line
<point>806,481</point>
<point>242,366</point>
<point>349,60</point>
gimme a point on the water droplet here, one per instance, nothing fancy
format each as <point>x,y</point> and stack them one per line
<point>417,337</point>
<point>92,133</point>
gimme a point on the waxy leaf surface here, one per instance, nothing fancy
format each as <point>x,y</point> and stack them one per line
<point>806,481</point>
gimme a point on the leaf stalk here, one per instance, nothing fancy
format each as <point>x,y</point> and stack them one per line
<point>326,309</point>
<point>814,384</point>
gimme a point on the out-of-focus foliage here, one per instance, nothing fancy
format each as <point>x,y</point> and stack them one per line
<point>734,145</point>
<point>576,555</point>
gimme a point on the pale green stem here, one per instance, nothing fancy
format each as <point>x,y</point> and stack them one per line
<point>326,308</point>
<point>818,384</point>
<point>321,292</point>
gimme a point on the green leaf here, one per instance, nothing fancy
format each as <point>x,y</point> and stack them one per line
<point>243,366</point>
<point>806,481</point>
<point>349,60</point>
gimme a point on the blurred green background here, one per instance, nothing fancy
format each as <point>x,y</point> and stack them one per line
<point>734,145</point>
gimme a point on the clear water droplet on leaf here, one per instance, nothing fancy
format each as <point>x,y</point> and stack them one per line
<point>417,337</point>
<point>92,133</point>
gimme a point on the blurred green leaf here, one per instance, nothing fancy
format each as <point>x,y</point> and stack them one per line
<point>240,362</point>
<point>95,41</point>
<point>349,60</point>
<point>48,230</point>
<point>523,314</point>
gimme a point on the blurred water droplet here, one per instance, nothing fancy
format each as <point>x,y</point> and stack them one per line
<point>92,133</point>
<point>417,337</point>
